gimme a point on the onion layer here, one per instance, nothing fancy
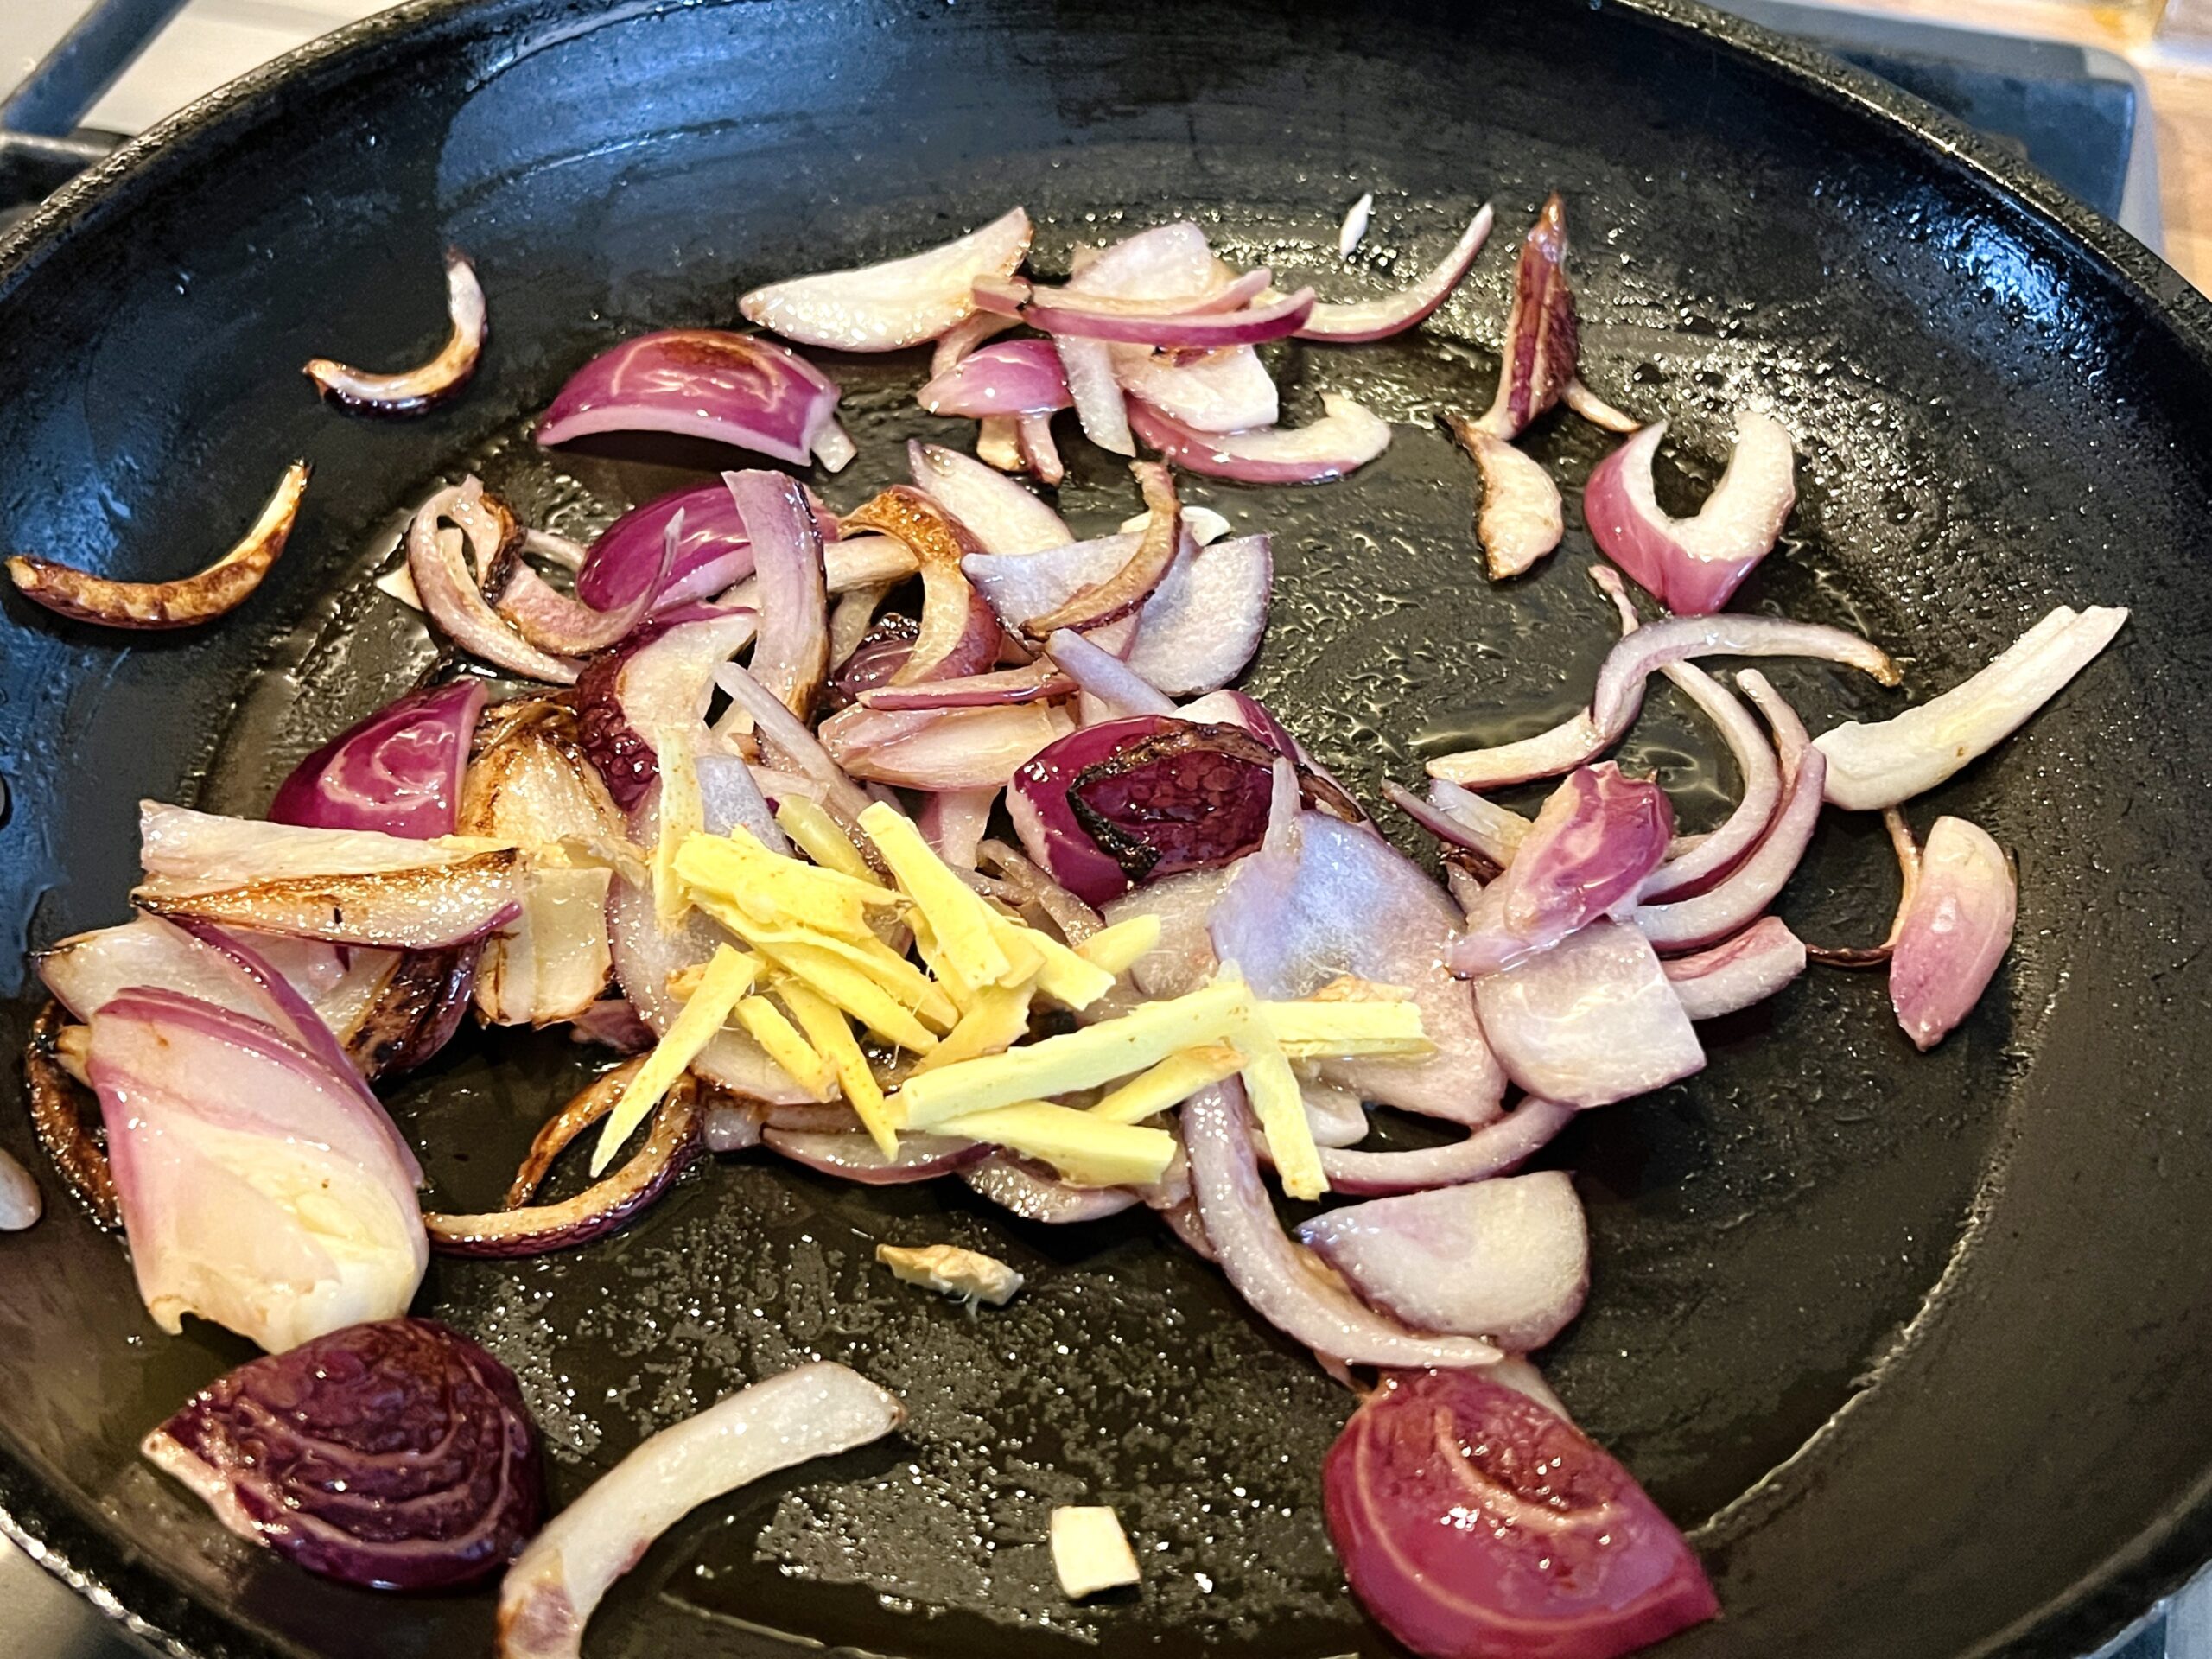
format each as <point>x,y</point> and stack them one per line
<point>1003,517</point>
<point>397,772</point>
<point>1365,320</point>
<point>899,303</point>
<point>1343,440</point>
<point>1954,929</point>
<point>1521,517</point>
<point>1591,1021</point>
<point>413,391</point>
<point>215,591</point>
<point>1738,972</point>
<point>1692,565</point>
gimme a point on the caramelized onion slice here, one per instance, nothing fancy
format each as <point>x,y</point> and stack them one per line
<point>184,603</point>
<point>413,391</point>
<point>58,1118</point>
<point>1521,518</point>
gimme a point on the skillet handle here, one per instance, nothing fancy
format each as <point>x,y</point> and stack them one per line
<point>70,78</point>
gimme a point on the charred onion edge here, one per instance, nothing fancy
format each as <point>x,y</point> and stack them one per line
<point>1874,956</point>
<point>593,1102</point>
<point>57,1112</point>
<point>416,390</point>
<point>186,602</point>
<point>669,1150</point>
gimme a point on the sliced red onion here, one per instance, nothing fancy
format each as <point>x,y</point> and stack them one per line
<point>1169,261</point>
<point>413,391</point>
<point>1004,517</point>
<point>65,1128</point>
<point>792,740</point>
<point>552,621</point>
<point>397,772</point>
<point>352,886</point>
<point>1542,343</point>
<point>656,691</point>
<point>1378,319</point>
<point>1015,377</point>
<point>1345,901</point>
<point>396,1455</point>
<point>1692,565</point>
<point>959,633</point>
<point>1271,1273</point>
<point>1521,518</point>
<point>998,444</point>
<point>1595,409</point>
<point>953,820</point>
<point>215,1124</point>
<point>1096,604</point>
<point>856,1157</point>
<point>1481,825</point>
<point>957,341</point>
<point>1036,683</point>
<point>700,383</point>
<point>603,1208</point>
<point>1040,454</point>
<point>1211,322</point>
<point>1034,1196</point>
<point>613,1023</point>
<point>1106,676</point>
<point>1225,391</point>
<point>793,657</point>
<point>1509,1260</point>
<point>1001,296</point>
<point>1334,1116</point>
<point>1473,1523</point>
<point>731,800</point>
<point>1496,1148</point>
<point>1590,1022</point>
<point>956,748</point>
<point>1954,929</point>
<point>867,561</point>
<point>1733,904</point>
<point>1021,585</point>
<point>816,1411</point>
<point>1619,694</point>
<point>20,1203</point>
<point>1344,439</point>
<point>1204,622</point>
<point>449,591</point>
<point>1890,761</point>
<point>1100,406</point>
<point>418,1008</point>
<point>1737,972</point>
<point>1599,836</point>
<point>711,551</point>
<point>879,654</point>
<point>899,303</point>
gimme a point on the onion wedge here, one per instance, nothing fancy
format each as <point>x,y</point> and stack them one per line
<point>416,390</point>
<point>1543,338</point>
<point>815,1411</point>
<point>1378,319</point>
<point>1521,518</point>
<point>1954,929</point>
<point>1002,515</point>
<point>452,594</point>
<point>1228,391</point>
<point>1590,1022</point>
<point>959,635</point>
<point>1693,565</point>
<point>1343,440</point>
<point>1892,760</point>
<point>901,303</point>
<point>1496,1148</point>
<point>1096,604</point>
<point>1204,622</point>
<point>184,603</point>
<point>1738,972</point>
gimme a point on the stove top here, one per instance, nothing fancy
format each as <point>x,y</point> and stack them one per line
<point>2078,114</point>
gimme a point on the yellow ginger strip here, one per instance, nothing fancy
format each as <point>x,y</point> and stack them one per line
<point>728,977</point>
<point>1061,974</point>
<point>1086,1150</point>
<point>885,992</point>
<point>738,869</point>
<point>780,1041</point>
<point>1171,1083</point>
<point>1272,1087</point>
<point>832,1039</point>
<point>1121,947</point>
<point>959,920</point>
<point>941,968</point>
<point>996,1020</point>
<point>820,837</point>
<point>1319,1030</point>
<point>1079,1059</point>
<point>683,815</point>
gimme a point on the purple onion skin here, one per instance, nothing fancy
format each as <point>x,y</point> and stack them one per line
<point>627,552</point>
<point>441,1465</point>
<point>397,772</point>
<point>882,652</point>
<point>1178,801</point>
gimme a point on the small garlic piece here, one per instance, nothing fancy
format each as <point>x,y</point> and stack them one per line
<point>1090,1552</point>
<point>953,1270</point>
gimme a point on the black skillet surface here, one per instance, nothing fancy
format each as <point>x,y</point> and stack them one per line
<point>1915,1344</point>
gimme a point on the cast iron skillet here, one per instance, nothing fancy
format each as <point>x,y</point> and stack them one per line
<point>1915,1345</point>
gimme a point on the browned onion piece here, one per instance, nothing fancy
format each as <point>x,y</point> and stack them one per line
<point>1541,335</point>
<point>184,603</point>
<point>412,391</point>
<point>57,1109</point>
<point>455,598</point>
<point>590,1103</point>
<point>416,1013</point>
<point>596,1211</point>
<point>1520,516</point>
<point>1095,603</point>
<point>959,635</point>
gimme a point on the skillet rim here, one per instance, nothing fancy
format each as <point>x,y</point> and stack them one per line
<point>108,1572</point>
